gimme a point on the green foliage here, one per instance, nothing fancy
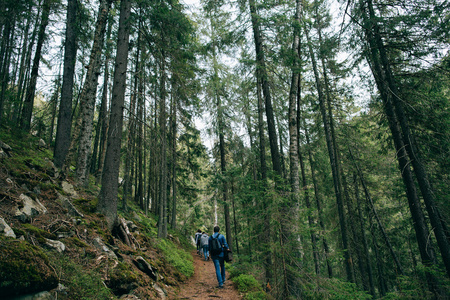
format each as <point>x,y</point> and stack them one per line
<point>247,283</point>
<point>177,257</point>
<point>82,284</point>
<point>332,289</point>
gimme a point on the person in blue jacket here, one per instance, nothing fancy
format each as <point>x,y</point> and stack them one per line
<point>218,258</point>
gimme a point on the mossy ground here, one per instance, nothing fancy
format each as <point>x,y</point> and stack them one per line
<point>86,272</point>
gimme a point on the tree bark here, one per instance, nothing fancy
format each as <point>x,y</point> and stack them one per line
<point>333,162</point>
<point>380,74</point>
<point>409,142</point>
<point>107,203</point>
<point>89,93</point>
<point>64,126</point>
<point>27,109</point>
<point>162,221</point>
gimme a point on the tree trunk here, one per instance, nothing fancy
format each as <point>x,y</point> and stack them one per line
<point>89,93</point>
<point>103,113</point>
<point>380,74</point>
<point>162,221</point>
<point>64,126</point>
<point>27,110</point>
<point>318,204</point>
<point>367,259</point>
<point>265,234</point>
<point>107,203</point>
<point>173,221</point>
<point>409,142</point>
<point>333,162</point>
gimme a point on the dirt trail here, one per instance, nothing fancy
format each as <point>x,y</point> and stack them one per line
<point>203,284</point>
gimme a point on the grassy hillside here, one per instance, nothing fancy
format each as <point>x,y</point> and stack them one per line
<point>95,263</point>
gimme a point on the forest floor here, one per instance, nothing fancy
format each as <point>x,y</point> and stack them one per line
<point>203,284</point>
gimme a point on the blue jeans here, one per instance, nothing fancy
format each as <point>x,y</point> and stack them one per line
<point>220,269</point>
<point>205,251</point>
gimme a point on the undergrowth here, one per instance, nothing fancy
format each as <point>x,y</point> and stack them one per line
<point>177,257</point>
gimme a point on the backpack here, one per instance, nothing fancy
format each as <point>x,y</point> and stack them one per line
<point>216,247</point>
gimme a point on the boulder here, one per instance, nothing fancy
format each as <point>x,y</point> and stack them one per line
<point>69,189</point>
<point>129,297</point>
<point>4,150</point>
<point>5,229</point>
<point>145,267</point>
<point>39,296</point>
<point>30,209</point>
<point>98,243</point>
<point>71,209</point>
<point>42,144</point>
<point>57,245</point>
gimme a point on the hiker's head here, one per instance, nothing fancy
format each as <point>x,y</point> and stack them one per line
<point>216,228</point>
<point>199,231</point>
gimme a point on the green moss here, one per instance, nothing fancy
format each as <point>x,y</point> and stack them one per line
<point>86,205</point>
<point>37,232</point>
<point>260,295</point>
<point>122,279</point>
<point>81,283</point>
<point>24,268</point>
<point>247,283</point>
<point>177,257</point>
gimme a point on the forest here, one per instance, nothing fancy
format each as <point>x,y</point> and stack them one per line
<point>316,133</point>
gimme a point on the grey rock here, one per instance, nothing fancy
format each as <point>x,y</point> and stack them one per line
<point>145,267</point>
<point>42,144</point>
<point>39,296</point>
<point>161,292</point>
<point>72,210</point>
<point>69,189</point>
<point>98,243</point>
<point>57,245</point>
<point>31,208</point>
<point>129,297</point>
<point>5,229</point>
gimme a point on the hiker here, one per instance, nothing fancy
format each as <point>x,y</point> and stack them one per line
<point>217,243</point>
<point>204,244</point>
<point>198,234</point>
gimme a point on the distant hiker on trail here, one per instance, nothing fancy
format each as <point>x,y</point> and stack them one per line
<point>217,244</point>
<point>204,243</point>
<point>198,234</point>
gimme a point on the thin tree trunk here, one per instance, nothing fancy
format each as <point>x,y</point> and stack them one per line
<point>318,204</point>
<point>89,93</point>
<point>265,234</point>
<point>367,259</point>
<point>27,109</point>
<point>103,113</point>
<point>380,224</point>
<point>331,152</point>
<point>173,221</point>
<point>162,222</point>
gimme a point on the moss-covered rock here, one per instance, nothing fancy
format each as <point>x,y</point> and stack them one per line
<point>24,269</point>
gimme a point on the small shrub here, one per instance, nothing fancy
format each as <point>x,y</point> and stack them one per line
<point>247,283</point>
<point>177,257</point>
<point>255,296</point>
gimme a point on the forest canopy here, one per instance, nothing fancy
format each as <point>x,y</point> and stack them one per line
<point>315,132</point>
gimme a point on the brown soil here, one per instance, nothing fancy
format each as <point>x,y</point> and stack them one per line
<point>203,284</point>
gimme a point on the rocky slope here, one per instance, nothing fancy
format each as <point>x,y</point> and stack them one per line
<point>53,245</point>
